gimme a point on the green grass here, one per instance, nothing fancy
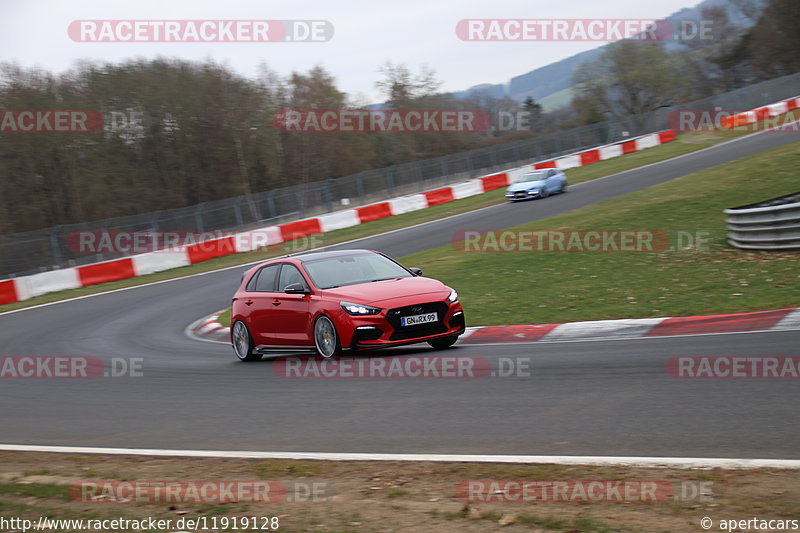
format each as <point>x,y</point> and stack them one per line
<point>36,490</point>
<point>542,287</point>
<point>224,317</point>
<point>270,469</point>
<point>685,143</point>
<point>547,522</point>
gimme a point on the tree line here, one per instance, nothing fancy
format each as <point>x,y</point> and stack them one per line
<point>634,77</point>
<point>178,133</point>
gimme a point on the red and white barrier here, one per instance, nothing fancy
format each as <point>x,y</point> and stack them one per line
<point>761,113</point>
<point>407,204</point>
<point>339,220</point>
<point>38,284</point>
<point>27,287</point>
<point>157,261</point>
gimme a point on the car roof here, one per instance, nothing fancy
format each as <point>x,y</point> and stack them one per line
<point>300,257</point>
<point>314,255</point>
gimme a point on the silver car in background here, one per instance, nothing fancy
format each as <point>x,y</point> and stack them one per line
<point>537,184</point>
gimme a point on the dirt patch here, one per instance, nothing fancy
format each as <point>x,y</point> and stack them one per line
<point>327,496</point>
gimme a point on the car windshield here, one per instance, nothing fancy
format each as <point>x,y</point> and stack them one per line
<point>338,271</point>
<point>531,176</point>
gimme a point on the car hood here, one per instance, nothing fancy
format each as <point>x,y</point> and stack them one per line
<point>524,186</point>
<point>378,292</point>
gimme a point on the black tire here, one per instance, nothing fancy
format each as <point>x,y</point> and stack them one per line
<point>326,339</point>
<point>242,343</point>
<point>443,343</point>
<point>544,194</point>
<point>563,188</point>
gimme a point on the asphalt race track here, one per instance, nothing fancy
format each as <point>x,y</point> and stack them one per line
<point>581,398</point>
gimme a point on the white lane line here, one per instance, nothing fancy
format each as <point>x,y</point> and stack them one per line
<point>664,161</point>
<point>673,462</point>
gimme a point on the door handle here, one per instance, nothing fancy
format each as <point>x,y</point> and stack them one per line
<point>249,302</point>
<point>276,302</point>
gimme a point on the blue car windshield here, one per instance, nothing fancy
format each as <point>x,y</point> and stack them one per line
<point>338,271</point>
<point>532,176</point>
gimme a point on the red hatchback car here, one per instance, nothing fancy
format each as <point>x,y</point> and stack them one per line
<point>326,301</point>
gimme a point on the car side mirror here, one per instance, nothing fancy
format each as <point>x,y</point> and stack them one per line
<point>416,271</point>
<point>296,288</point>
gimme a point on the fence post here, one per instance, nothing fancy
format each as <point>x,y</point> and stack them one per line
<point>273,211</point>
<point>198,220</point>
<point>327,193</point>
<point>420,178</point>
<point>237,211</point>
<point>57,258</point>
<point>360,185</point>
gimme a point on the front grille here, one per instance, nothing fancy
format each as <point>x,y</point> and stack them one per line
<point>520,194</point>
<point>420,330</point>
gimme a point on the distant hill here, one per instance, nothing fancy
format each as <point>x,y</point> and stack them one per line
<point>550,84</point>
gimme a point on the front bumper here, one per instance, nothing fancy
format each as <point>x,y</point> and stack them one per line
<point>384,330</point>
<point>522,195</point>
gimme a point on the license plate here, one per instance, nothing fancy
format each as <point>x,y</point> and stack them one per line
<point>419,319</point>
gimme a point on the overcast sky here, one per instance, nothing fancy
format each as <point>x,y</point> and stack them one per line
<point>367,34</point>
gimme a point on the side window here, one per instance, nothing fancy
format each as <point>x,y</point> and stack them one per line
<point>264,279</point>
<point>551,173</point>
<point>251,285</point>
<point>290,274</point>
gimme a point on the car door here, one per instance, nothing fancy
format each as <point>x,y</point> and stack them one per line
<point>291,312</point>
<point>561,181</point>
<point>260,293</point>
<point>550,183</point>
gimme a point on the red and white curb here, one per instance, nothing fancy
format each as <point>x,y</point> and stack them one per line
<point>209,329</point>
<point>590,460</point>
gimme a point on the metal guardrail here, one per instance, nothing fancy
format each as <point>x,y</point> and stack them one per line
<point>769,225</point>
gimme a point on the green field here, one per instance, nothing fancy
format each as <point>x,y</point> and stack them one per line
<point>553,287</point>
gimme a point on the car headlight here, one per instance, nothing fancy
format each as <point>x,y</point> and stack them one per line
<point>358,309</point>
<point>453,296</point>
<point>533,191</point>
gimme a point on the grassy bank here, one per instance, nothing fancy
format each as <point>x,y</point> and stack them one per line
<point>706,277</point>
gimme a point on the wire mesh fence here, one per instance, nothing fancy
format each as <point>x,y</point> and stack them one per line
<point>59,246</point>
